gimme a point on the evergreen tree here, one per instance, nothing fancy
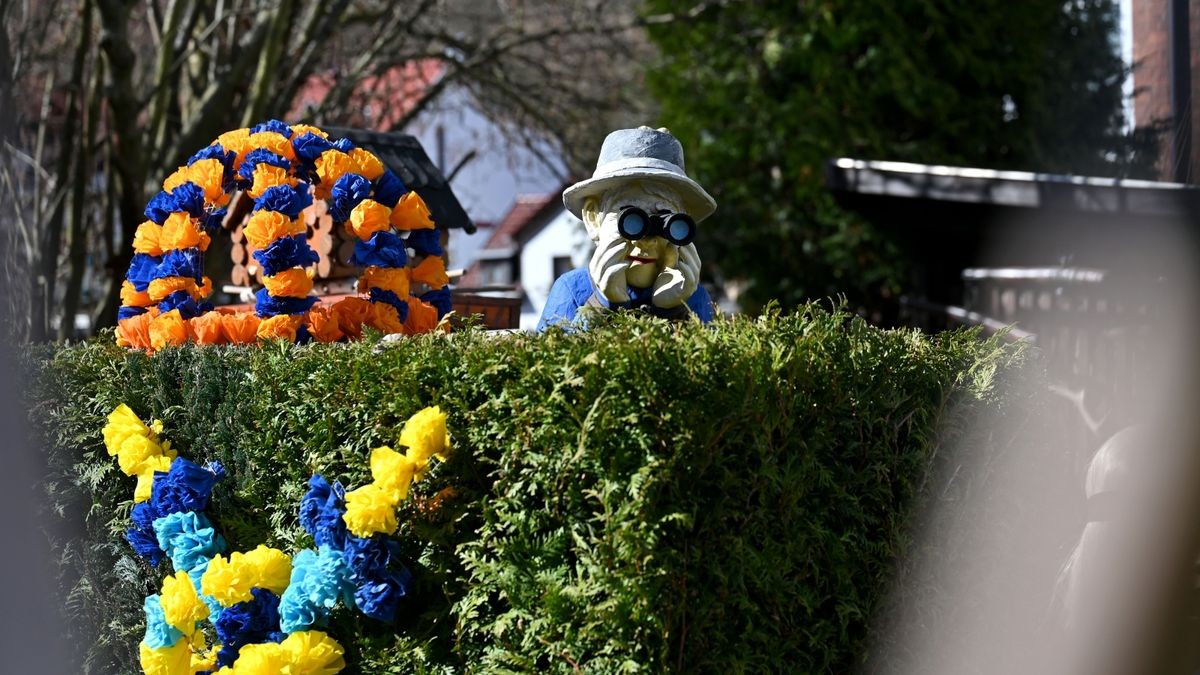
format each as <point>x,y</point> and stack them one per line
<point>763,93</point>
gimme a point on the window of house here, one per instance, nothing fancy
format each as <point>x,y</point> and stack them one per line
<point>562,265</point>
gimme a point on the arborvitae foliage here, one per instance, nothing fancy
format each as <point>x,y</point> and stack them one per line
<point>763,93</point>
<point>640,497</point>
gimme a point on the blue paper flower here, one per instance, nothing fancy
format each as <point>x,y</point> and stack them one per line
<point>440,299</point>
<point>266,305</point>
<point>145,545</point>
<point>187,486</point>
<point>319,580</point>
<point>321,512</point>
<point>425,242</point>
<point>383,249</point>
<point>390,297</point>
<point>159,633</point>
<point>261,156</point>
<point>188,539</point>
<point>187,305</point>
<point>189,197</point>
<point>379,596</point>
<point>273,125</point>
<point>343,144</point>
<point>159,207</point>
<point>126,312</point>
<point>213,220</point>
<point>346,193</point>
<point>183,262</point>
<point>285,199</point>
<point>389,189</point>
<point>246,623</point>
<point>143,269</point>
<point>285,253</point>
<point>309,147</point>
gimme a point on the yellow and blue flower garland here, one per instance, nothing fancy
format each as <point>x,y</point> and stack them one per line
<point>264,605</point>
<point>282,167</point>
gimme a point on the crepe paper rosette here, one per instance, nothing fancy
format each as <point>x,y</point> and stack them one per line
<point>283,168</point>
<point>264,608</point>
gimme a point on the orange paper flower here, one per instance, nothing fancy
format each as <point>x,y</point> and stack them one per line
<point>293,283</point>
<point>148,238</point>
<point>280,326</point>
<point>207,329</point>
<point>238,141</point>
<point>131,297</point>
<point>385,318</point>
<point>268,176</point>
<point>161,288</point>
<point>411,213</point>
<point>394,279</point>
<point>275,142</point>
<point>330,166</point>
<point>323,325</point>
<point>366,164</point>
<point>431,271</point>
<point>368,218</point>
<point>264,227</point>
<point>179,232</point>
<point>240,327</point>
<point>422,317</point>
<point>167,329</point>
<point>209,174</point>
<point>178,177</point>
<point>134,332</point>
<point>351,314</point>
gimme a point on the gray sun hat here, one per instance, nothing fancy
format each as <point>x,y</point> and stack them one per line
<point>641,153</point>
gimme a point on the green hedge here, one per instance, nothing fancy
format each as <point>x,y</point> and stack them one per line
<point>638,498</point>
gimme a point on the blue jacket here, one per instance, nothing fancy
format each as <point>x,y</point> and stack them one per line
<point>573,289</point>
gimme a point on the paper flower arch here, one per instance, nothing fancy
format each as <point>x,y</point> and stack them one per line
<point>264,607</point>
<point>282,168</point>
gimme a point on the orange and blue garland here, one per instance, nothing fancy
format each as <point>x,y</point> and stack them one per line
<point>282,168</point>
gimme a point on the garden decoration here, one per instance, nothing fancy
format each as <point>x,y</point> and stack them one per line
<point>282,168</point>
<point>641,209</point>
<point>264,608</point>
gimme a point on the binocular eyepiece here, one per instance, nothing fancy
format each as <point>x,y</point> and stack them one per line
<point>677,228</point>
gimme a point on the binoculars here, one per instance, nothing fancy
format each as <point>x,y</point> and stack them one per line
<point>677,228</point>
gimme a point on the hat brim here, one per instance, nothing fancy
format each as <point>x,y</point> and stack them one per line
<point>696,202</point>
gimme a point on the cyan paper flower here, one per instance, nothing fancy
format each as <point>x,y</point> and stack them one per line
<point>159,633</point>
<point>319,580</point>
<point>188,538</point>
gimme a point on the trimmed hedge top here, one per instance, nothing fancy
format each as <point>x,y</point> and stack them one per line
<point>640,497</point>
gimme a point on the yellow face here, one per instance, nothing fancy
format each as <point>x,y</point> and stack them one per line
<point>648,256</point>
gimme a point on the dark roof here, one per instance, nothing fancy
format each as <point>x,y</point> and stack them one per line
<point>856,179</point>
<point>406,158</point>
<point>524,210</point>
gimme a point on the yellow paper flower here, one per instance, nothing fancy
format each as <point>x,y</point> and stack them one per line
<point>431,271</point>
<point>148,238</point>
<point>366,164</point>
<point>425,436</point>
<point>367,218</point>
<point>411,213</point>
<point>167,329</point>
<point>203,657</point>
<point>313,652</point>
<point>174,660</point>
<point>122,423</point>
<point>145,478</point>
<point>394,279</point>
<point>275,142</point>
<point>264,227</point>
<point>271,568</point>
<point>179,232</point>
<point>268,176</point>
<point>392,472</point>
<point>266,658</point>
<point>182,607</point>
<point>280,327</point>
<point>135,452</point>
<point>369,509</point>
<point>228,580</point>
<point>292,283</point>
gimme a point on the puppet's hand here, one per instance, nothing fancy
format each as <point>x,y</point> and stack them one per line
<point>678,280</point>
<point>608,266</point>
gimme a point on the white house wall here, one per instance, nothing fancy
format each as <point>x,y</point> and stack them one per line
<point>502,168</point>
<point>563,236</point>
